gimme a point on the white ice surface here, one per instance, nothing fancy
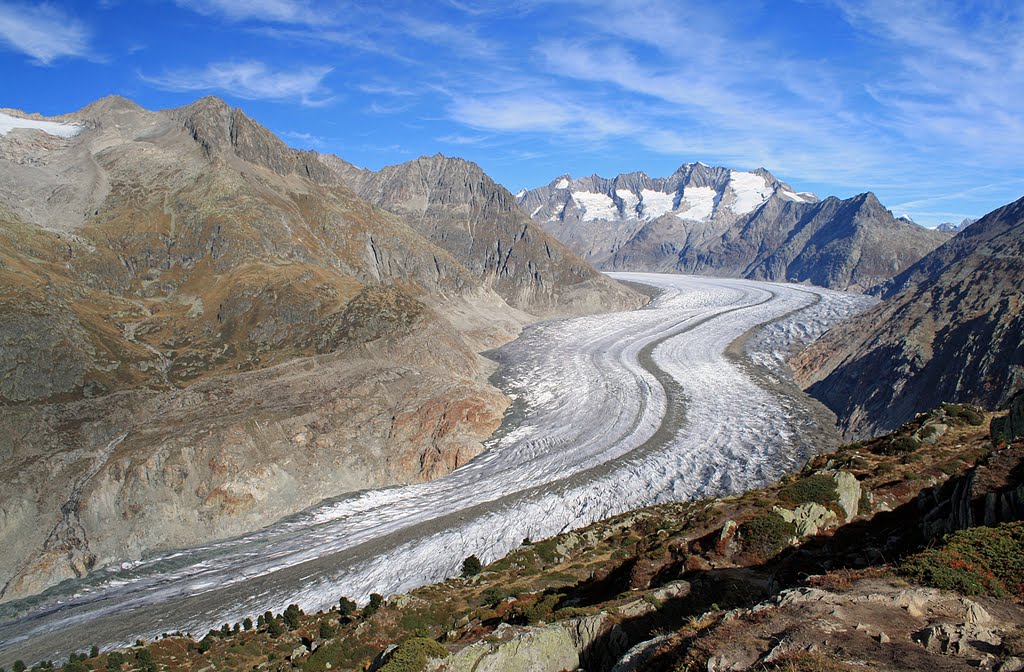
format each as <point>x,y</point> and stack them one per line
<point>630,201</point>
<point>656,203</point>
<point>562,184</point>
<point>61,130</point>
<point>587,439</point>
<point>749,191</point>
<point>595,206</point>
<point>698,203</point>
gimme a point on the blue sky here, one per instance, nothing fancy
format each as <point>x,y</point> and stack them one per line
<point>921,102</point>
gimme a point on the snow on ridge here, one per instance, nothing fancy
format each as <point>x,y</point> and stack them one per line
<point>562,184</point>
<point>699,202</point>
<point>521,193</point>
<point>8,123</point>
<point>595,206</point>
<point>791,196</point>
<point>749,190</point>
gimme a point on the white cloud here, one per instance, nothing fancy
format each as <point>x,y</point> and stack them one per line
<point>304,139</point>
<point>276,11</point>
<point>251,80</point>
<point>43,32</point>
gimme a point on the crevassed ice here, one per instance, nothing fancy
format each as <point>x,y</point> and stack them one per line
<point>749,191</point>
<point>61,130</point>
<point>629,202</point>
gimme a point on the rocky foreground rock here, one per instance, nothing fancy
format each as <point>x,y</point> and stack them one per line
<point>950,328</point>
<point>202,330</point>
<point>717,221</point>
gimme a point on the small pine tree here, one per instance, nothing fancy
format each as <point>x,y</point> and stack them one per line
<point>225,630</point>
<point>115,659</point>
<point>274,627</point>
<point>237,629</point>
<point>326,630</point>
<point>346,607</point>
<point>19,666</point>
<point>267,618</point>
<point>471,566</point>
<point>94,651</point>
<point>261,621</point>
<point>247,623</point>
<point>292,616</point>
<point>376,600</point>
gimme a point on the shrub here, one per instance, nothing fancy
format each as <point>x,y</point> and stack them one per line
<point>901,445</point>
<point>496,594</point>
<point>412,655</point>
<point>767,534</point>
<point>274,627</point>
<point>326,630</point>
<point>247,623</point>
<point>19,666</point>
<point>94,651</point>
<point>115,659</point>
<point>819,489</point>
<point>471,566</point>
<point>978,561</point>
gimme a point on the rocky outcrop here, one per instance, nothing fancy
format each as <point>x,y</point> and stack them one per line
<point>239,334</point>
<point>949,329</point>
<point>723,222</point>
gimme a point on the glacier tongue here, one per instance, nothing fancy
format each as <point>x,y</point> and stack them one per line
<point>611,412</point>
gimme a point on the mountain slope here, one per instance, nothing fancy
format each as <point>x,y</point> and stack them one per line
<point>456,206</point>
<point>239,336</point>
<point>949,329</point>
<point>725,222</point>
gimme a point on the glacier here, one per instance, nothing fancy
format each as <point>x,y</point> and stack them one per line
<point>610,412</point>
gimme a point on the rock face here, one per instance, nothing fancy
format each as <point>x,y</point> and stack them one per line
<point>949,329</point>
<point>725,222</point>
<point>456,206</point>
<point>202,331</point>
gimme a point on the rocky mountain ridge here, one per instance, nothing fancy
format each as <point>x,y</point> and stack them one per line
<point>718,221</point>
<point>240,335</point>
<point>949,328</point>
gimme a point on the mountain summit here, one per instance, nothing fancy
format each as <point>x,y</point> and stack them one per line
<point>715,220</point>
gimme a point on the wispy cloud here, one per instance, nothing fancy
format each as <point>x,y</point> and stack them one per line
<point>303,139</point>
<point>251,80</point>
<point>43,32</point>
<point>277,11</point>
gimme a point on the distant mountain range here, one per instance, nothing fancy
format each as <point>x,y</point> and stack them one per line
<point>949,328</point>
<point>715,220</point>
<point>950,227</point>
<point>203,330</point>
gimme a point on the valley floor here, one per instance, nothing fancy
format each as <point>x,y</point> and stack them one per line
<point>683,399</point>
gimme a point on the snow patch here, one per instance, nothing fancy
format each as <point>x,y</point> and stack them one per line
<point>562,184</point>
<point>697,204</point>
<point>749,191</point>
<point>790,196</point>
<point>630,201</point>
<point>9,123</point>
<point>536,210</point>
<point>656,203</point>
<point>595,206</point>
<point>521,193</point>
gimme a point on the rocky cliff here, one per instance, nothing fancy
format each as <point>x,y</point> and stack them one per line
<point>725,222</point>
<point>202,330</point>
<point>949,329</point>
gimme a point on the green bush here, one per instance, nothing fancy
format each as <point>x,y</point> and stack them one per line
<point>965,413</point>
<point>819,489</point>
<point>115,659</point>
<point>471,566</point>
<point>292,616</point>
<point>496,594</point>
<point>767,534</point>
<point>274,627</point>
<point>412,654</point>
<point>346,607</point>
<point>247,623</point>
<point>978,561</point>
